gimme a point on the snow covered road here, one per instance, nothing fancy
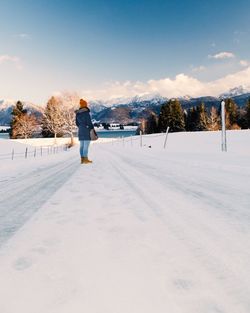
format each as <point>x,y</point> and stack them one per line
<point>22,195</point>
<point>138,231</point>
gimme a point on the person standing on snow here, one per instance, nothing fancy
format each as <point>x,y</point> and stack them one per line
<point>84,124</point>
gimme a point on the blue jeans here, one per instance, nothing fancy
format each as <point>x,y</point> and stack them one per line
<point>84,148</point>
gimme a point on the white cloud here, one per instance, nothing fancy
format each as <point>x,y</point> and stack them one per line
<point>22,36</point>
<point>181,85</point>
<point>244,63</point>
<point>200,68</point>
<point>6,58</point>
<point>11,59</point>
<point>222,55</point>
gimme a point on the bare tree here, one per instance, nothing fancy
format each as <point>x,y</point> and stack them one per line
<point>143,125</point>
<point>214,120</point>
<point>52,121</point>
<point>69,102</point>
<point>25,126</point>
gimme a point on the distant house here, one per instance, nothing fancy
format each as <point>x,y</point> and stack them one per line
<point>115,126</point>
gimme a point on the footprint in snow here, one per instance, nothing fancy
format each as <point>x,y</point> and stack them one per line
<point>77,198</point>
<point>55,203</point>
<point>39,250</point>
<point>22,264</point>
<point>74,190</point>
<point>182,284</point>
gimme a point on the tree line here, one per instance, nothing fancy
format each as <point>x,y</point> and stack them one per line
<point>196,118</point>
<point>57,120</point>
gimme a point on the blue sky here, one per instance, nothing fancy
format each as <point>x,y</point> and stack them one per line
<point>118,48</point>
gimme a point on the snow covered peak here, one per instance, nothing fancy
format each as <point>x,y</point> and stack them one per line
<point>5,104</point>
<point>153,98</point>
<point>186,97</point>
<point>9,103</point>
<point>236,91</point>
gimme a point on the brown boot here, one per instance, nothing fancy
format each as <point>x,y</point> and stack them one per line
<point>82,160</point>
<point>86,160</point>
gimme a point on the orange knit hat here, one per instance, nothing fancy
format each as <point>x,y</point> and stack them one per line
<point>83,103</point>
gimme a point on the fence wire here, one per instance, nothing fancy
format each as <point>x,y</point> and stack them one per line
<point>29,152</point>
<point>141,139</point>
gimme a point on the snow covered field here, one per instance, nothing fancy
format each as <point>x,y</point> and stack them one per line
<point>141,230</point>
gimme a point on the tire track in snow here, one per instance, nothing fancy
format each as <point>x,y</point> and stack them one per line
<point>194,228</point>
<point>22,197</point>
<point>205,188</point>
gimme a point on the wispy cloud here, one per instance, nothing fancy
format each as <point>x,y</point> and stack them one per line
<point>181,85</point>
<point>222,55</point>
<point>244,63</point>
<point>200,68</point>
<point>11,59</point>
<point>22,36</point>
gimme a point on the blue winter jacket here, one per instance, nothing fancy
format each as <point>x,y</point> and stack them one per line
<point>84,124</point>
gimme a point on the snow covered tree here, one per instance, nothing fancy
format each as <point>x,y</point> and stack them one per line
<point>52,121</point>
<point>172,116</point>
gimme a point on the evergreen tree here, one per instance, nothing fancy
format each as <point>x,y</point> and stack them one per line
<point>202,118</point>
<point>171,116</point>
<point>191,119</point>
<point>232,114</point>
<point>17,112</point>
<point>248,114</point>
<point>197,118</point>
<point>151,126</point>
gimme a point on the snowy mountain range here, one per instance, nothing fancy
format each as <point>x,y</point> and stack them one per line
<point>236,91</point>
<point>127,110</point>
<point>6,107</point>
